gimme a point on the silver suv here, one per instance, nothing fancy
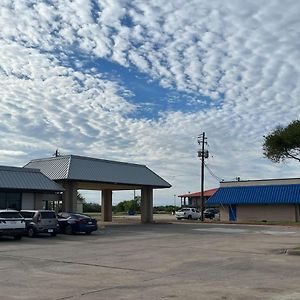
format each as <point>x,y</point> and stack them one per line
<point>40,221</point>
<point>11,223</point>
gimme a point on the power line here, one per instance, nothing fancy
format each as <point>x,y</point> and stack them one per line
<point>212,173</point>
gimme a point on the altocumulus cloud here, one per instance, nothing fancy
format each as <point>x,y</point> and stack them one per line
<point>241,57</point>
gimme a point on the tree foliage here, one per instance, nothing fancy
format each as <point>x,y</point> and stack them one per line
<point>283,143</point>
<point>91,207</point>
<point>129,205</point>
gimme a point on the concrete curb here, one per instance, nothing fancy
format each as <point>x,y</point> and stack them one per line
<point>293,252</point>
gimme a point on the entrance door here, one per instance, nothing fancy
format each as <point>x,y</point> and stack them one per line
<point>232,212</point>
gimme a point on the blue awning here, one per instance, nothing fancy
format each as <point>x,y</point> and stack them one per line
<point>263,194</point>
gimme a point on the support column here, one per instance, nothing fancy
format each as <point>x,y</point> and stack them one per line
<point>106,206</point>
<point>69,197</point>
<point>147,205</point>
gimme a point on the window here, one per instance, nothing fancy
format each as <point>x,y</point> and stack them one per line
<point>27,214</point>
<point>10,215</point>
<point>48,215</point>
<point>10,200</point>
<point>2,201</point>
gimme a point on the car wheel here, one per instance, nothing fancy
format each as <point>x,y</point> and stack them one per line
<point>189,217</point>
<point>17,237</point>
<point>53,233</point>
<point>31,232</point>
<point>68,229</point>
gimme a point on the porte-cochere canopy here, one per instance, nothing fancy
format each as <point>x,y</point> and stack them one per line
<point>79,172</point>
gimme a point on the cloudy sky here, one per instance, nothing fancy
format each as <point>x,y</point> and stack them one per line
<point>138,81</point>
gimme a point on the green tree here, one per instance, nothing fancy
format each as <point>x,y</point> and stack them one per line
<point>129,205</point>
<point>91,207</point>
<point>283,143</point>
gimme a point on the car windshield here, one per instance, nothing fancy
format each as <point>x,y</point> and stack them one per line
<point>10,215</point>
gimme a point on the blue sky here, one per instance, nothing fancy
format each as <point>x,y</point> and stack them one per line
<point>138,81</point>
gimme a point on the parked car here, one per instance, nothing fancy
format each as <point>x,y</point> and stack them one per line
<point>210,213</point>
<point>188,213</point>
<point>75,222</point>
<point>40,221</point>
<point>11,223</point>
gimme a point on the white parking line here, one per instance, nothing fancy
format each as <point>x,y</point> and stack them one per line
<point>243,231</point>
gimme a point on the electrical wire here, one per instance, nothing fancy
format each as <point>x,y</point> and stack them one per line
<point>212,173</point>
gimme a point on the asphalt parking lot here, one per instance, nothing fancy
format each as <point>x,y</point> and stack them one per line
<point>157,261</point>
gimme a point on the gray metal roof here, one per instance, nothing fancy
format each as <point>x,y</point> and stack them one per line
<point>80,168</point>
<point>14,178</point>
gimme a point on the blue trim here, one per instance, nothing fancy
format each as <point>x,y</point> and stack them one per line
<point>263,194</point>
<point>232,212</point>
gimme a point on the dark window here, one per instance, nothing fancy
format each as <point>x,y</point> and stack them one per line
<point>27,214</point>
<point>10,215</point>
<point>48,215</point>
<point>79,216</point>
<point>10,200</point>
<point>2,201</point>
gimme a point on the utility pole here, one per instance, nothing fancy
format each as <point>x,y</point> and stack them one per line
<point>202,154</point>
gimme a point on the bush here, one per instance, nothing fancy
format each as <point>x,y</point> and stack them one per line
<point>91,207</point>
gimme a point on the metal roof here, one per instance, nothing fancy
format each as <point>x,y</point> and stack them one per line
<point>14,178</point>
<point>207,193</point>
<point>263,194</point>
<point>80,168</point>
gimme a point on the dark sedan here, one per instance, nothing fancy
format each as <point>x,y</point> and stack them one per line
<point>210,213</point>
<point>75,222</point>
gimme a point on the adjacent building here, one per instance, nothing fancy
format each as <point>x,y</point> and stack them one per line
<point>194,199</point>
<point>258,200</point>
<point>27,189</point>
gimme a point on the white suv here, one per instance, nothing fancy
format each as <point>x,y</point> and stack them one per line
<point>11,223</point>
<point>188,213</point>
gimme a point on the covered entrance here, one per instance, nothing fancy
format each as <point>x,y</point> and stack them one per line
<point>85,173</point>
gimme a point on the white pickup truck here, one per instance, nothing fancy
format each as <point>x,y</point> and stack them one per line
<point>188,213</point>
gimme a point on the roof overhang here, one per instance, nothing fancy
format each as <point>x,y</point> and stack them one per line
<point>91,185</point>
<point>94,173</point>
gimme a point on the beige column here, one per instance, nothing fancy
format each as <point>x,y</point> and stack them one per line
<point>106,206</point>
<point>147,205</point>
<point>69,197</point>
<point>297,212</point>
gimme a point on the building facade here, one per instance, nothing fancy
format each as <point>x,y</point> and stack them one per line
<point>194,199</point>
<point>27,189</point>
<point>259,200</point>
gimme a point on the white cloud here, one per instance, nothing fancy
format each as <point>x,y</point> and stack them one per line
<point>244,53</point>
